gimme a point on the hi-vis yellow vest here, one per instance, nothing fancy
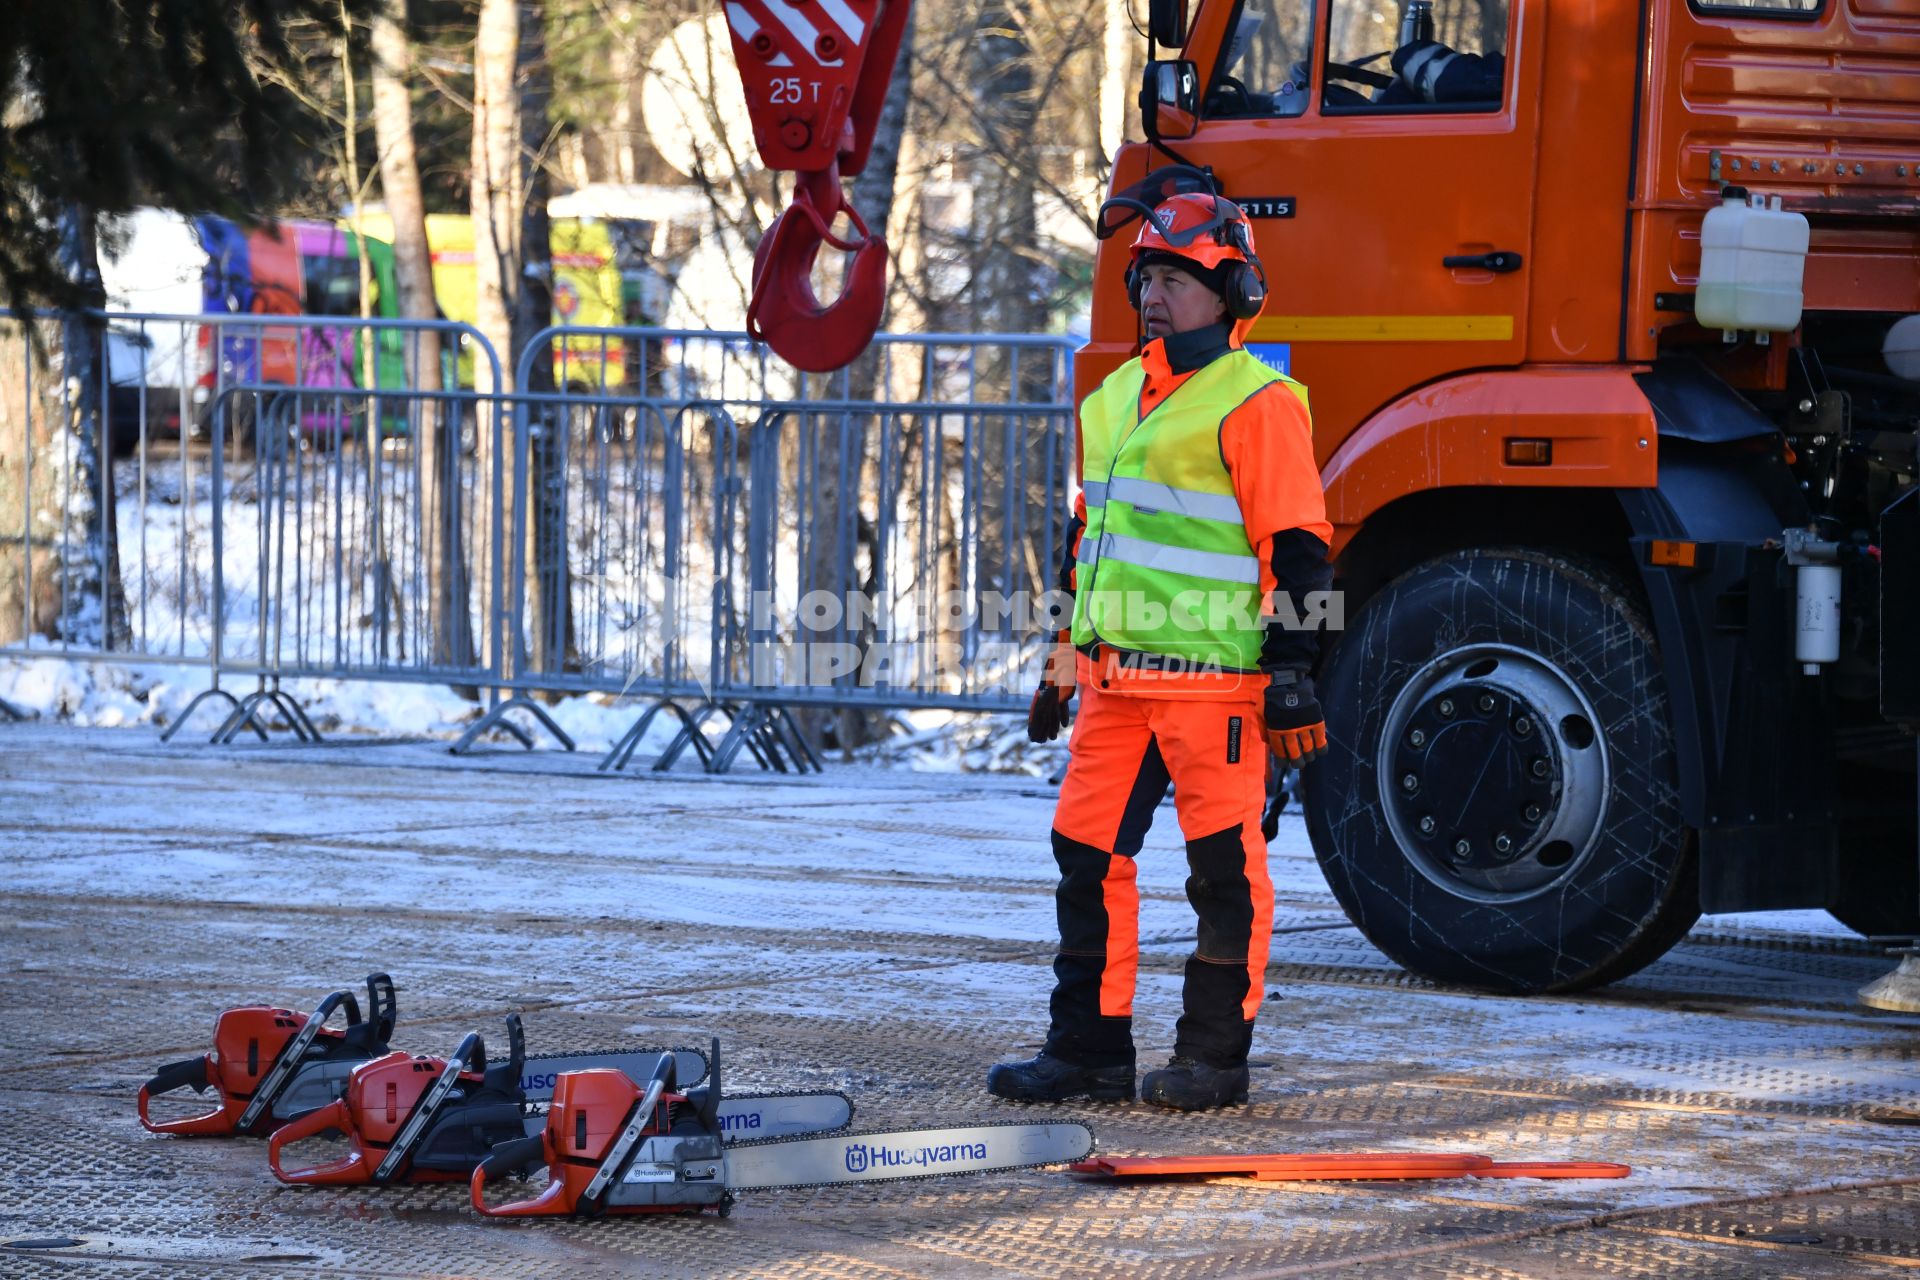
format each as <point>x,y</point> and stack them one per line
<point>1165,566</point>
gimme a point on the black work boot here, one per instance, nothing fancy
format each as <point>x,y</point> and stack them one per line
<point>1187,1084</point>
<point>1045,1078</point>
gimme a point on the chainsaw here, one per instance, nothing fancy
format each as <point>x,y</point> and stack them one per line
<point>611,1146</point>
<point>270,1066</point>
<point>415,1118</point>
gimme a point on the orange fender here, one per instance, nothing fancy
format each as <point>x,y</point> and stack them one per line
<point>1450,434</point>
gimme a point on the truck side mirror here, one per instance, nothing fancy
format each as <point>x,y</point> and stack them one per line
<point>1169,100</point>
<point>1167,23</point>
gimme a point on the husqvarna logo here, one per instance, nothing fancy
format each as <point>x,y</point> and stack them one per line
<point>862,1156</point>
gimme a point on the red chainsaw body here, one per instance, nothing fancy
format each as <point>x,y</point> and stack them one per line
<point>245,1043</point>
<point>589,1110</point>
<point>380,1096</point>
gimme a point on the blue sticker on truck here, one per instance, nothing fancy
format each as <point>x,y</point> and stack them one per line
<point>1277,356</point>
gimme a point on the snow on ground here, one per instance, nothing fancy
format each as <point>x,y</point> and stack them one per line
<point>887,933</point>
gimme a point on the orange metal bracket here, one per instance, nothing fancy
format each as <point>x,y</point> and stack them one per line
<point>815,77</point>
<point>1388,1166</point>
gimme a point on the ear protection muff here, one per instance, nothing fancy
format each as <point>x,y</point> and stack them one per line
<point>1245,289</point>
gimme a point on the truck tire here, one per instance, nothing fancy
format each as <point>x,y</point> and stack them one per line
<point>1498,807</point>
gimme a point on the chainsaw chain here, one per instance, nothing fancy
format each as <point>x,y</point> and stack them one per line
<point>544,1107</point>
<point>1092,1151</point>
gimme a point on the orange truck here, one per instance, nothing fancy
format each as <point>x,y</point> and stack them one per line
<point>1608,315</point>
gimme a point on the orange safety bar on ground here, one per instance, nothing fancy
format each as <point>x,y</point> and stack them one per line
<point>1390,1166</point>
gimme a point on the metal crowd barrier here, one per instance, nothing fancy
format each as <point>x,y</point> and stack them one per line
<point>730,541</point>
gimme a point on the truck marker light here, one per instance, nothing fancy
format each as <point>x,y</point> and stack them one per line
<point>1674,555</point>
<point>1529,453</point>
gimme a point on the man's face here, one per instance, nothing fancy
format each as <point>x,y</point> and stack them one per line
<point>1171,301</point>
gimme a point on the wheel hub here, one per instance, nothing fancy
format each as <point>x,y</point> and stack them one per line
<point>1493,773</point>
<point>1475,776</point>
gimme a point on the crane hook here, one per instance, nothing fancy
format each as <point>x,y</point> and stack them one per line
<point>785,313</point>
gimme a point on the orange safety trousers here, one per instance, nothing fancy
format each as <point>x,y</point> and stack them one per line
<point>1125,751</point>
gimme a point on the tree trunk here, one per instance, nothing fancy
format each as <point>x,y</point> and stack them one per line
<point>845,454</point>
<point>31,499</point>
<point>496,202</point>
<point>550,626</point>
<point>1122,57</point>
<point>448,619</point>
<point>93,607</point>
<point>1009,296</point>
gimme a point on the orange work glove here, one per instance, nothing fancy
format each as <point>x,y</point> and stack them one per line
<point>1296,729</point>
<point>1049,712</point>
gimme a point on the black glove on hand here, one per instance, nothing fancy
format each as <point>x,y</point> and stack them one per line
<point>1296,728</point>
<point>1050,712</point>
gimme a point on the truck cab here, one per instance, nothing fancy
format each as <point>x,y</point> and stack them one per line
<point>1630,572</point>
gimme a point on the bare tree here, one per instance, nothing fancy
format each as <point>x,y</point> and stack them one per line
<point>31,498</point>
<point>496,201</point>
<point>93,605</point>
<point>844,527</point>
<point>448,622</point>
<point>551,619</point>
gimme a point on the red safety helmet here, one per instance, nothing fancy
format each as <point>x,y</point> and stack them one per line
<point>1207,230</point>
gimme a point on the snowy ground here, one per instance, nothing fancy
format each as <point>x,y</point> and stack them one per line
<point>885,932</point>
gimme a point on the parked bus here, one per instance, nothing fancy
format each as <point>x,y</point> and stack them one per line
<point>587,291</point>
<point>297,268</point>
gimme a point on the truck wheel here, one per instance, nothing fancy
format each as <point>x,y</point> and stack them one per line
<point>1498,807</point>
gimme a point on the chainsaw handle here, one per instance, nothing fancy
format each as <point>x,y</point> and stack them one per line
<point>324,1010</point>
<point>507,1158</point>
<point>505,1076</point>
<point>511,1157</point>
<point>383,1006</point>
<point>197,1074</point>
<point>187,1073</point>
<point>350,1169</point>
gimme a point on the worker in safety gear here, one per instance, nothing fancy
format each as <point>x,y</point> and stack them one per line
<point>1198,536</point>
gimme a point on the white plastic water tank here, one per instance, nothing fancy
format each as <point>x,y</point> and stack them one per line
<point>1753,264</point>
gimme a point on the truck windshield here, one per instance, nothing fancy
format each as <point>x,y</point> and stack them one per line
<point>1267,61</point>
<point>1380,54</point>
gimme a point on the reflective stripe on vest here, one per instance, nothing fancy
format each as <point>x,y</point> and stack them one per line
<point>1164,528</point>
<point>1151,496</point>
<point>1156,555</point>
